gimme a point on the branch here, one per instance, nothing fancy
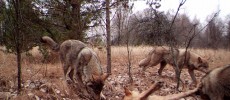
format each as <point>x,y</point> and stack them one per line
<point>171,44</point>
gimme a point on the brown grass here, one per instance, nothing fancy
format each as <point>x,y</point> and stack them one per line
<point>33,69</point>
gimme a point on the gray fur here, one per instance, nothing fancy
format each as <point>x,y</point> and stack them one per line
<point>163,55</point>
<point>216,84</point>
<point>81,66</point>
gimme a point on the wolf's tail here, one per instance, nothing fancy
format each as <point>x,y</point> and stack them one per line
<point>54,46</point>
<point>144,62</point>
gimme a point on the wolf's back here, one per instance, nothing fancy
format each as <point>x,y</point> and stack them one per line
<point>217,82</point>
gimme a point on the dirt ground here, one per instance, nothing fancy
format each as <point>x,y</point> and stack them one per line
<point>46,80</point>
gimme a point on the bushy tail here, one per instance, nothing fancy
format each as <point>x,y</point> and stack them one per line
<point>54,46</point>
<point>144,62</point>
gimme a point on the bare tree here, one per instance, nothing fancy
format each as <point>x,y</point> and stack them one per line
<point>17,43</point>
<point>119,22</point>
<point>129,57</point>
<point>172,43</point>
<point>213,34</point>
<point>181,28</point>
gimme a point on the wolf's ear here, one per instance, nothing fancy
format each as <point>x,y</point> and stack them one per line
<point>127,91</point>
<point>200,60</point>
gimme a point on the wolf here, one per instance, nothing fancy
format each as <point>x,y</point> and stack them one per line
<point>215,85</point>
<point>165,55</point>
<point>80,64</point>
<point>146,95</point>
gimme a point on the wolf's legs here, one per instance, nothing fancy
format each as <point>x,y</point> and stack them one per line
<point>78,76</point>
<point>66,67</point>
<point>191,73</point>
<point>75,75</point>
<point>75,70</point>
<point>162,66</point>
<point>67,70</point>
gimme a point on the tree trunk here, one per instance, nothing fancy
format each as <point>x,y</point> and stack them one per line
<point>108,37</point>
<point>76,22</point>
<point>17,42</point>
<point>119,20</point>
<point>19,67</point>
<point>129,58</point>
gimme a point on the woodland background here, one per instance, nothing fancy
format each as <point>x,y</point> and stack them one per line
<point>85,20</point>
<point>95,22</point>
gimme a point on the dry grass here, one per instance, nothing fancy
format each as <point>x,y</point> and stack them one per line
<point>33,69</point>
<point>119,55</point>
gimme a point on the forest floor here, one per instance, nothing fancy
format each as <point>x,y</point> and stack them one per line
<point>46,80</point>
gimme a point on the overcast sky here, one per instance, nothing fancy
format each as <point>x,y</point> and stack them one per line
<point>193,8</point>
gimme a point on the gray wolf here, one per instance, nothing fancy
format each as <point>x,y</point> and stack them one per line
<point>81,65</point>
<point>215,85</point>
<point>164,55</point>
<point>146,95</point>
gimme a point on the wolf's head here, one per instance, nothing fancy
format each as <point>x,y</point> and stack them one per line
<point>95,86</point>
<point>201,65</point>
